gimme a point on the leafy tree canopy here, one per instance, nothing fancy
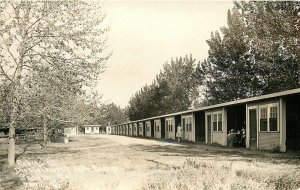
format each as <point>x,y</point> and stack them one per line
<point>256,53</point>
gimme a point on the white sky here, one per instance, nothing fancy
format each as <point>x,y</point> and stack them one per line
<point>146,34</point>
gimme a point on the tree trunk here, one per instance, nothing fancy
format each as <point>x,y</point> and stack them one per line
<point>45,129</point>
<point>13,119</point>
<point>11,145</point>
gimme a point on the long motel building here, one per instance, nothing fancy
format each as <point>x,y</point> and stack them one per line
<point>271,121</point>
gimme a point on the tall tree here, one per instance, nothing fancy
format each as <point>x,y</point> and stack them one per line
<point>173,90</point>
<point>257,53</point>
<point>274,28</point>
<point>55,35</point>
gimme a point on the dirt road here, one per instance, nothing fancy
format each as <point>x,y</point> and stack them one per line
<point>116,162</point>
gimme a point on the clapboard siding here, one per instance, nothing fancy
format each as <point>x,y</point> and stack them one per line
<point>188,135</point>
<point>268,140</point>
<point>217,137</point>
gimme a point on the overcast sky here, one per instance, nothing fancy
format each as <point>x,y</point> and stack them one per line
<point>146,34</point>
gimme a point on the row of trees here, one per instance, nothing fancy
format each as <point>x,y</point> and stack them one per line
<point>51,53</point>
<point>174,89</point>
<point>257,53</point>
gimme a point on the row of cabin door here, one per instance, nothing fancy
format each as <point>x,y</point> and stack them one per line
<point>252,125</point>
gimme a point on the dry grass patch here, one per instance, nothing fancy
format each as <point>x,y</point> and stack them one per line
<point>195,175</point>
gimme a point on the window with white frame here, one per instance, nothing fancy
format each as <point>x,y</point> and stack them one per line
<point>217,122</point>
<point>268,120</point>
<point>220,128</point>
<point>169,125</point>
<point>273,120</point>
<point>187,123</point>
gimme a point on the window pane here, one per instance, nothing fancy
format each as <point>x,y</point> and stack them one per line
<point>219,122</point>
<point>215,126</point>
<point>273,124</point>
<point>263,113</point>
<point>219,117</point>
<point>215,117</point>
<point>273,112</point>
<point>220,125</point>
<point>263,125</point>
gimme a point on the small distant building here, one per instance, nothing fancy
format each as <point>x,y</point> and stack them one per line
<point>108,130</point>
<point>71,131</point>
<point>91,129</point>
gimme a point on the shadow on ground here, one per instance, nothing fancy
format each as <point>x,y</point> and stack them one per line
<point>212,152</point>
<point>9,180</point>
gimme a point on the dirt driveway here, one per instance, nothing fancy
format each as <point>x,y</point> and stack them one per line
<point>119,162</point>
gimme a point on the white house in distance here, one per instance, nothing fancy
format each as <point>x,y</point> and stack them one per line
<point>71,131</point>
<point>91,129</point>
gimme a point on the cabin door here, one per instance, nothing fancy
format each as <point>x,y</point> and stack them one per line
<point>183,128</point>
<point>92,130</point>
<point>253,128</point>
<point>209,129</point>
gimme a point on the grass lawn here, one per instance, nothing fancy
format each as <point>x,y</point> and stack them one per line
<point>118,162</point>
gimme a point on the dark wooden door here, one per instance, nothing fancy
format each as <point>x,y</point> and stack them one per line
<point>209,129</point>
<point>253,128</point>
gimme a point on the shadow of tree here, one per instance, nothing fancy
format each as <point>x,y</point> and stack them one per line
<point>206,151</point>
<point>9,180</point>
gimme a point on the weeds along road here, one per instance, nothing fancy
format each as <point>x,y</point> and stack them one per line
<point>119,162</point>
